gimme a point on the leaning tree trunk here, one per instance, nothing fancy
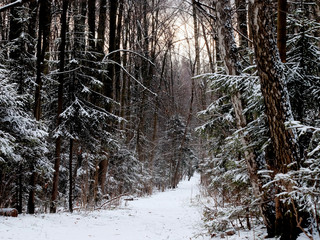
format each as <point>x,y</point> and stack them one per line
<point>229,54</point>
<point>278,109</point>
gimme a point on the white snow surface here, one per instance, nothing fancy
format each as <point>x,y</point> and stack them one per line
<point>174,214</point>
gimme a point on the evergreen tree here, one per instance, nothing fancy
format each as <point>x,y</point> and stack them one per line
<point>22,141</point>
<point>176,158</point>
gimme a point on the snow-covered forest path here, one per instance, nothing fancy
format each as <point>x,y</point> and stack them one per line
<point>174,214</point>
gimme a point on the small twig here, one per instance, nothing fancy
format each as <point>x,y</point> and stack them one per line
<point>299,220</point>
<point>111,200</point>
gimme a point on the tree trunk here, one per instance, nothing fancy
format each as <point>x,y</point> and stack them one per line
<point>278,109</point>
<point>228,52</point>
<point>42,48</point>
<point>117,55</point>
<point>196,37</point>
<point>70,176</point>
<point>273,87</point>
<point>282,29</point>
<point>62,47</point>
<point>242,23</point>
<point>210,55</point>
<point>109,81</point>
<point>42,68</point>
<point>125,81</point>
<point>102,27</point>
<point>20,189</point>
<point>103,167</point>
<point>92,22</point>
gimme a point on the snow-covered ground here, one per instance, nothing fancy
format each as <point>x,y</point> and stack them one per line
<point>174,215</point>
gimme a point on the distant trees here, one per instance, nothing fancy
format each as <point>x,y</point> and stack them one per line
<point>89,83</point>
<point>176,157</point>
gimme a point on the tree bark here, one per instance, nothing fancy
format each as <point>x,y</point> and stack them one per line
<point>242,23</point>
<point>278,109</point>
<point>117,55</point>
<point>70,176</point>
<point>103,167</point>
<point>229,54</point>
<point>102,27</point>
<point>42,48</point>
<point>92,22</point>
<point>282,29</point>
<point>273,86</point>
<point>210,55</point>
<point>196,37</point>
<point>42,68</point>
<point>109,81</point>
<point>62,47</point>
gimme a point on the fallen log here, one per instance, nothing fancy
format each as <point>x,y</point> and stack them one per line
<point>9,212</point>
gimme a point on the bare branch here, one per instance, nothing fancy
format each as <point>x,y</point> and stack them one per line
<point>13,4</point>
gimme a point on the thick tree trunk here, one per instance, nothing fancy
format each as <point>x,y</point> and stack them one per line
<point>229,54</point>
<point>60,103</point>
<point>278,109</point>
<point>273,86</point>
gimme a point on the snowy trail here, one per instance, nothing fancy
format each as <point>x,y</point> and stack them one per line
<point>171,215</point>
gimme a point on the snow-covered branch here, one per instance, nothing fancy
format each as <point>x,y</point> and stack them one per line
<point>13,4</point>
